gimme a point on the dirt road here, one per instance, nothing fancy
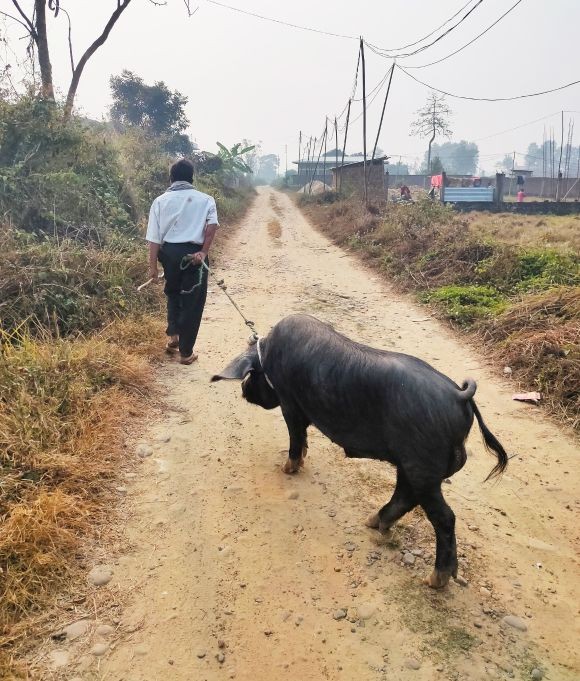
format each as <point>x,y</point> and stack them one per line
<point>239,571</point>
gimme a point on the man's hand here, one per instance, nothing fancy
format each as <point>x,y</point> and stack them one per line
<point>153,273</point>
<point>198,258</point>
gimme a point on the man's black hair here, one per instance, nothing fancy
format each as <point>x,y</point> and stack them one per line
<point>181,171</point>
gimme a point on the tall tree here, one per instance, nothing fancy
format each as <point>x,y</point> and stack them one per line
<point>33,19</point>
<point>437,166</point>
<point>268,167</point>
<point>154,108</point>
<point>432,120</point>
<point>457,157</point>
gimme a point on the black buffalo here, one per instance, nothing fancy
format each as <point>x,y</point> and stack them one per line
<point>375,404</point>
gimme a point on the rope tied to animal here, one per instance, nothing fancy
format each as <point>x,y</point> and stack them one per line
<point>186,262</point>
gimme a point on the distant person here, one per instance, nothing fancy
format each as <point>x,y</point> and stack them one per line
<point>405,193</point>
<point>182,224</point>
<point>521,196</point>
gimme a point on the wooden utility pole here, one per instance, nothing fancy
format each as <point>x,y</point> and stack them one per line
<point>322,142</point>
<point>344,145</point>
<point>568,156</point>
<point>513,168</point>
<point>305,173</point>
<point>364,89</point>
<point>578,173</point>
<point>543,161</point>
<point>560,160</point>
<point>381,121</point>
<point>325,141</point>
<point>336,152</point>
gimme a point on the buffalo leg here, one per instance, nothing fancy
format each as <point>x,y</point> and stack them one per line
<point>297,425</point>
<point>442,518</point>
<point>402,501</point>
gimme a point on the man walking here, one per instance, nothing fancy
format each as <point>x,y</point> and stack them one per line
<point>182,225</point>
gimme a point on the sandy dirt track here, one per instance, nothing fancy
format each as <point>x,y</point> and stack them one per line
<point>239,571</point>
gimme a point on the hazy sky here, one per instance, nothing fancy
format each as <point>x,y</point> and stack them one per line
<point>249,78</point>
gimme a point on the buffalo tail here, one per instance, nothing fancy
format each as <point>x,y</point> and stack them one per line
<point>492,444</point>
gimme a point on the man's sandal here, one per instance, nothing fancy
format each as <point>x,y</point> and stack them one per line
<point>189,360</point>
<point>172,347</point>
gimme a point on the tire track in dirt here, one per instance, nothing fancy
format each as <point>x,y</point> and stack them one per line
<point>240,572</point>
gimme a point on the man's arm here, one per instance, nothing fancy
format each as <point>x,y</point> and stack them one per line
<point>153,253</point>
<point>210,230</point>
<point>154,239</point>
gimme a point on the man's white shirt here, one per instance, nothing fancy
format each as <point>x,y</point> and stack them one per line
<point>181,216</point>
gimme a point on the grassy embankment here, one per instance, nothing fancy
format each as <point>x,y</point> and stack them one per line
<point>76,347</point>
<point>512,282</point>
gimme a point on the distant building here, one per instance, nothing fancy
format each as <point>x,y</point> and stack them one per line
<point>313,169</point>
<point>349,178</point>
<point>514,172</point>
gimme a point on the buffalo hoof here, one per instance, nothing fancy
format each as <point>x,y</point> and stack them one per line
<point>291,466</point>
<point>373,521</point>
<point>437,579</point>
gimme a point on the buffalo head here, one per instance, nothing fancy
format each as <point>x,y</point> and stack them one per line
<point>255,387</point>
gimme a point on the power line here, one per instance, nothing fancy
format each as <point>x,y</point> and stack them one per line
<point>477,37</point>
<point>404,47</point>
<point>280,21</point>
<point>376,87</point>
<point>488,99</point>
<point>517,127</point>
<point>387,53</point>
<point>373,98</point>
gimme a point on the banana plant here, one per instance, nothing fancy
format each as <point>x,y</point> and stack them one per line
<point>232,159</point>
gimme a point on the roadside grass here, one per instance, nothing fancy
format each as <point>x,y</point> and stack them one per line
<point>69,287</point>
<point>77,346</point>
<point>64,404</point>
<point>554,231</point>
<point>511,281</point>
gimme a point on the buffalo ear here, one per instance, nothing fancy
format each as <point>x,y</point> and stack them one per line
<point>240,367</point>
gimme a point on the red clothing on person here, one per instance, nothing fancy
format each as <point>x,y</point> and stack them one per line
<point>521,196</point>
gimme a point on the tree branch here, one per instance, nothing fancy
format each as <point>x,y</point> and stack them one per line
<point>121,7</point>
<point>9,16</point>
<point>70,47</point>
<point>54,6</point>
<point>29,23</point>
<point>188,7</point>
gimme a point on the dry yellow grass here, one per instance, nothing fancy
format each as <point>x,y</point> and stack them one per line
<point>555,231</point>
<point>64,406</point>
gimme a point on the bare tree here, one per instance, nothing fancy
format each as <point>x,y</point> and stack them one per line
<point>35,25</point>
<point>432,119</point>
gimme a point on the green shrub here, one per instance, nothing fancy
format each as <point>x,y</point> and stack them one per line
<point>59,178</point>
<point>466,304</point>
<point>67,286</point>
<point>542,269</point>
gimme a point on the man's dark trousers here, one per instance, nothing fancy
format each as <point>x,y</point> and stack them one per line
<point>184,310</point>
